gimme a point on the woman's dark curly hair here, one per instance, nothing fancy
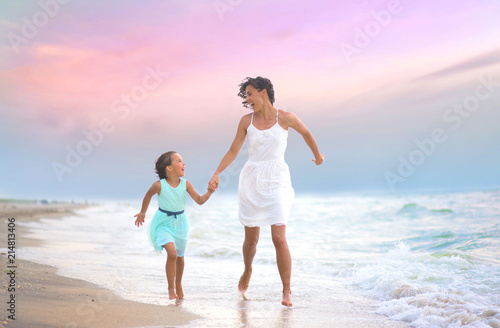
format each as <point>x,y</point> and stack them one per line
<point>162,162</point>
<point>258,83</point>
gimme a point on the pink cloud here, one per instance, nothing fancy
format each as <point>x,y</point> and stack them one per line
<point>72,79</point>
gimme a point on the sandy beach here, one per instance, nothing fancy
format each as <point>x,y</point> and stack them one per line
<point>45,299</point>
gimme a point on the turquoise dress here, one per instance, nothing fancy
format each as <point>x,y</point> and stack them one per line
<point>168,224</point>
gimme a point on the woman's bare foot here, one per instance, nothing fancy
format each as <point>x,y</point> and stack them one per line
<point>244,281</point>
<point>287,298</point>
<point>178,289</point>
<point>171,294</point>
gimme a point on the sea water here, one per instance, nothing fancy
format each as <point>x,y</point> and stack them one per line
<point>429,260</point>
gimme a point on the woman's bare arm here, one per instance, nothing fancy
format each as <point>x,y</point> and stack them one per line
<point>233,151</point>
<point>292,121</point>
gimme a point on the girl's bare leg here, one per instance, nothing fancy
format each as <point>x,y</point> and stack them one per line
<point>249,249</point>
<point>178,277</point>
<point>170,268</point>
<point>284,260</point>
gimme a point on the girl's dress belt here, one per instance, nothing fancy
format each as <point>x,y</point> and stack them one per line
<point>171,213</point>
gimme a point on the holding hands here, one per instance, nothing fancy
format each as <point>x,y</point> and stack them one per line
<point>213,185</point>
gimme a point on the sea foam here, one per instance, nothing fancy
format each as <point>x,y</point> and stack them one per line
<point>429,291</point>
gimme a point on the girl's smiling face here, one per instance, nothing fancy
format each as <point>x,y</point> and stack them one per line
<point>177,167</point>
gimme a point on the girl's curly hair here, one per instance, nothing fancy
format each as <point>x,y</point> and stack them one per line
<point>258,83</point>
<point>162,162</point>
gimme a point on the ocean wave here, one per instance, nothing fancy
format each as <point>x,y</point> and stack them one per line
<point>429,291</point>
<point>479,244</point>
<point>414,210</point>
<point>214,252</point>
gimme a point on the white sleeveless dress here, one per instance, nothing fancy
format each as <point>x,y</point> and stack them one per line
<point>265,188</point>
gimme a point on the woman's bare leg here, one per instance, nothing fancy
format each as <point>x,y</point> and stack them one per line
<point>249,250</point>
<point>284,260</point>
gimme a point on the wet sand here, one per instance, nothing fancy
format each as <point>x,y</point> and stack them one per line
<point>45,299</point>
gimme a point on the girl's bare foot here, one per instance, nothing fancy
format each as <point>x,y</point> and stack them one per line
<point>244,281</point>
<point>171,294</point>
<point>287,298</point>
<point>178,289</point>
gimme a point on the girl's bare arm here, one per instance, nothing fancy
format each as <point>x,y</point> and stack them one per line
<point>155,189</point>
<point>200,200</point>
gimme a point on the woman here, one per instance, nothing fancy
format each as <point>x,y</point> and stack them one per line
<point>265,188</point>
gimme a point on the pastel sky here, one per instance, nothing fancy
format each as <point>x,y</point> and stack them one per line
<point>400,95</point>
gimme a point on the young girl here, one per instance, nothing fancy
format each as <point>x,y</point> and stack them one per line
<point>169,228</point>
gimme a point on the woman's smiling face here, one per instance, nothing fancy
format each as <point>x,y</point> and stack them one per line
<point>254,97</point>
